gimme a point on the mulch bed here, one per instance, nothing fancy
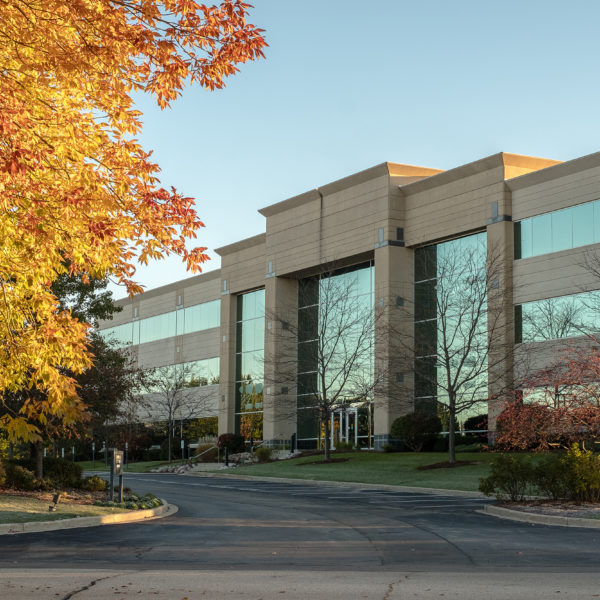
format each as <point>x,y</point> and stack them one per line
<point>449,465</point>
<point>558,508</point>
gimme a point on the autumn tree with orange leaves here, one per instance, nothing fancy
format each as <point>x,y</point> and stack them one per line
<point>555,406</point>
<point>76,188</point>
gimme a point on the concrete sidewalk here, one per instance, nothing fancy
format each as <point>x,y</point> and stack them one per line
<point>226,584</point>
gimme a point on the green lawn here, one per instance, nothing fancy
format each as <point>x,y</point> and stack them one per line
<point>398,468</point>
<point>138,467</point>
<point>19,509</point>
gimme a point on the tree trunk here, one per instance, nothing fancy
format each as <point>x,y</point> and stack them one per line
<point>170,435</point>
<point>327,428</point>
<point>451,431</point>
<point>39,460</point>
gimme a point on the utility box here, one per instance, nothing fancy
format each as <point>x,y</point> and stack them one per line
<point>118,462</point>
<point>116,469</point>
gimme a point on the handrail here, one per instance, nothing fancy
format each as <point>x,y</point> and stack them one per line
<point>197,456</point>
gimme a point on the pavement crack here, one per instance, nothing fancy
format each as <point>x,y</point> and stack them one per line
<point>452,544</point>
<point>88,586</point>
<point>389,592</point>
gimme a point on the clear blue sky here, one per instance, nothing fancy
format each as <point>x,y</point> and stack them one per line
<point>348,84</point>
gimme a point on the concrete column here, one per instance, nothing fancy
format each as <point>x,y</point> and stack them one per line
<point>226,401</point>
<point>501,328</point>
<point>394,291</point>
<point>279,402</point>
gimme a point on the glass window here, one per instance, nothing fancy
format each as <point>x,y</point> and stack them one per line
<point>426,338</point>
<point>308,292</point>
<point>250,341</point>
<point>541,238</point>
<point>250,366</point>
<point>557,318</point>
<point>158,327</point>
<point>596,221</point>
<point>425,377</point>
<point>344,294</point>
<point>202,316</point>
<point>526,238</point>
<point>177,322</point>
<point>307,357</point>
<point>444,330</point>
<point>180,321</point>
<point>307,383</point>
<point>571,227</point>
<point>583,224</point>
<point>562,230</point>
<point>195,373</point>
<point>251,305</point>
<point>120,335</point>
<point>425,300</point>
<point>308,324</point>
<point>425,263</point>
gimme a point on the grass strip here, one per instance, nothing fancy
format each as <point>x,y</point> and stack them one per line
<point>398,468</point>
<point>22,509</point>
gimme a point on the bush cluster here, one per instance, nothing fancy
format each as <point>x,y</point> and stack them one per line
<point>574,476</point>
<point>94,484</point>
<point>62,472</point>
<point>263,454</point>
<point>344,446</point>
<point>58,473</point>
<point>133,502</point>
<point>417,430</point>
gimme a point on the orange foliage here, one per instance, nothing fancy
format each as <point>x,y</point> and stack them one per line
<point>76,187</point>
<point>557,405</point>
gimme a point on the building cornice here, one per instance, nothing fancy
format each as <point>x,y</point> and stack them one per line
<point>385,169</point>
<point>501,159</point>
<point>244,244</point>
<point>555,171</point>
<point>171,287</point>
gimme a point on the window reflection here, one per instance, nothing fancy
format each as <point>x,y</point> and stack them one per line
<point>557,318</point>
<point>178,322</point>
<point>316,294</point>
<point>559,230</point>
<point>250,342</point>
<point>191,374</point>
<point>443,285</point>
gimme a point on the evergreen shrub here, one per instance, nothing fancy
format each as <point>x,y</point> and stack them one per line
<point>416,429</point>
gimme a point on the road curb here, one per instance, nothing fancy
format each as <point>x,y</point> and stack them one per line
<point>351,484</point>
<point>537,519</point>
<point>133,516</point>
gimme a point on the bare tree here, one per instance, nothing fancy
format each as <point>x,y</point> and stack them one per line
<point>176,392</point>
<point>335,333</point>
<point>459,315</point>
<point>552,319</point>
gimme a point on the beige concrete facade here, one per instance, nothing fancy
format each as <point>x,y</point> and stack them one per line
<point>380,216</point>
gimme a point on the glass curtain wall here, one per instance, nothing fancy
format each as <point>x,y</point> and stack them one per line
<point>192,374</point>
<point>190,319</point>
<point>250,356</point>
<point>557,318</point>
<point>450,331</point>
<point>559,230</point>
<point>320,312</point>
